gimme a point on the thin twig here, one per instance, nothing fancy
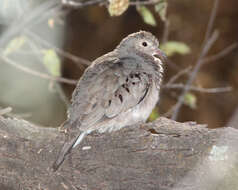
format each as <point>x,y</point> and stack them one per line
<point>38,74</point>
<point>199,89</point>
<point>33,17</point>
<point>148,2</point>
<point>35,47</point>
<point>193,75</point>
<point>78,4</point>
<point>207,44</point>
<point>75,59</point>
<point>52,85</point>
<point>211,21</point>
<point>211,58</point>
<point>221,54</point>
<point>29,19</point>
<point>180,73</point>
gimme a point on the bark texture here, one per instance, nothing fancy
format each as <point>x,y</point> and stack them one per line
<point>155,156</point>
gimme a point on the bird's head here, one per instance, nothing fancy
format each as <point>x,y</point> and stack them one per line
<point>142,44</point>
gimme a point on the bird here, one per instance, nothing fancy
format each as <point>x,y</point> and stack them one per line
<point>118,89</point>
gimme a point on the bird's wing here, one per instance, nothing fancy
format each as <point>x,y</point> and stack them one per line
<point>107,88</point>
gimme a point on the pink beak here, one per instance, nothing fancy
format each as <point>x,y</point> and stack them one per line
<point>161,55</point>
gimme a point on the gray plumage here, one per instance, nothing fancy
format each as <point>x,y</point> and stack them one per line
<point>118,89</point>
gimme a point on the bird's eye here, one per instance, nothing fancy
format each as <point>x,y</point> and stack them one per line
<point>144,44</point>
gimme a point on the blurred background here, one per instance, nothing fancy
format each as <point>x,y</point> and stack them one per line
<point>43,42</point>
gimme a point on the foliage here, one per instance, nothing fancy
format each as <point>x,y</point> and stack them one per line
<point>117,7</point>
<point>190,100</point>
<point>161,9</point>
<point>14,45</point>
<point>52,62</point>
<point>154,115</point>
<point>173,47</point>
<point>147,16</point>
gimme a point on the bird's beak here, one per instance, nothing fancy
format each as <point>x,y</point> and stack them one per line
<point>158,54</point>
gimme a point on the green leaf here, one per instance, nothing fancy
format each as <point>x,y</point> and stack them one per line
<point>14,45</point>
<point>161,9</point>
<point>117,7</point>
<point>146,14</point>
<point>172,47</point>
<point>154,115</point>
<point>190,100</point>
<point>52,62</point>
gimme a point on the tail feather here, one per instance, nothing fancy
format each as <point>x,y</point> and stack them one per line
<point>65,150</point>
<point>79,139</point>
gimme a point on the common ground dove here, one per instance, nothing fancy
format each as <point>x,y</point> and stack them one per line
<point>118,89</point>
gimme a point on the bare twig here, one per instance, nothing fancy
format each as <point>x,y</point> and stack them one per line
<point>80,4</point>
<point>75,59</point>
<point>30,18</point>
<point>221,54</point>
<point>207,44</point>
<point>180,73</point>
<point>211,21</point>
<point>148,2</point>
<point>52,85</point>
<point>38,74</point>
<point>211,58</point>
<point>193,75</point>
<point>199,89</point>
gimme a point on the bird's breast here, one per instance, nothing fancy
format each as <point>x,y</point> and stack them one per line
<point>142,111</point>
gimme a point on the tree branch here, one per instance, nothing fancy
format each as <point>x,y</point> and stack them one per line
<point>199,89</point>
<point>179,74</point>
<point>161,155</point>
<point>193,75</point>
<point>220,54</point>
<point>36,73</point>
<point>80,4</point>
<point>77,60</point>
<point>211,21</point>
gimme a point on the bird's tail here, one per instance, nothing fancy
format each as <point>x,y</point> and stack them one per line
<point>67,147</point>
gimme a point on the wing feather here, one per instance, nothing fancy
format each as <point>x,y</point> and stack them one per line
<point>105,90</point>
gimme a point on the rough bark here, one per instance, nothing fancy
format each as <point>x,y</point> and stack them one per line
<point>156,156</point>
